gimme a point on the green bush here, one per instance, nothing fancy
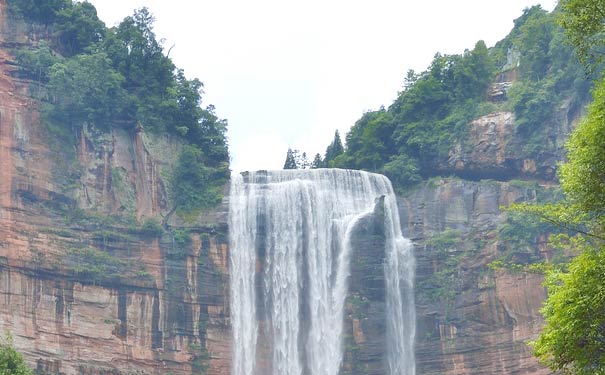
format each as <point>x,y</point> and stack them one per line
<point>11,361</point>
<point>151,228</point>
<point>196,185</point>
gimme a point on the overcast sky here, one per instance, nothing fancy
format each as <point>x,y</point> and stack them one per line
<point>288,74</point>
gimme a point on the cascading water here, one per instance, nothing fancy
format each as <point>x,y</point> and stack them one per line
<point>290,244</point>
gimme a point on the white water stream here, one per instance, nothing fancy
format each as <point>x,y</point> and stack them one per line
<point>290,249</point>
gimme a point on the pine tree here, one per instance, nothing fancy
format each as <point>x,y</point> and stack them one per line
<point>317,162</point>
<point>303,162</point>
<point>290,162</point>
<point>334,149</point>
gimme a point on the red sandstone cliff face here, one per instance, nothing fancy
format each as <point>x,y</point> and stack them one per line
<point>473,318</point>
<point>83,290</point>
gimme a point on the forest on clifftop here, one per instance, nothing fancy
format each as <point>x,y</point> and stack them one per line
<point>87,73</point>
<point>530,73</point>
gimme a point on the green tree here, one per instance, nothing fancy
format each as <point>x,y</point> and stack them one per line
<point>148,73</point>
<point>11,361</point>
<point>583,177</point>
<point>85,89</point>
<point>370,142</point>
<point>196,185</point>
<point>290,162</point>
<point>535,36</point>
<point>574,334</point>
<point>573,338</point>
<point>402,170</point>
<point>78,27</point>
<point>584,23</point>
<point>40,11</point>
<point>317,162</point>
<point>334,150</point>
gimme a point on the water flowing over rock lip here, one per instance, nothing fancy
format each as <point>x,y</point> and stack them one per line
<point>275,327</point>
<point>299,172</point>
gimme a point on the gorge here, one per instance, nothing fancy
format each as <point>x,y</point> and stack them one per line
<point>106,267</point>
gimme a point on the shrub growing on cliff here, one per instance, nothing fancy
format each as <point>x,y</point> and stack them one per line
<point>11,361</point>
<point>35,63</point>
<point>196,183</point>
<point>151,228</point>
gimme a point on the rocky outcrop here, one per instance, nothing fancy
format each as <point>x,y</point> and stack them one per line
<point>490,137</point>
<point>496,149</point>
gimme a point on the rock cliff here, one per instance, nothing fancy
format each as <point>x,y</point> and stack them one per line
<point>86,286</point>
<point>473,317</point>
<point>495,149</point>
<point>477,300</point>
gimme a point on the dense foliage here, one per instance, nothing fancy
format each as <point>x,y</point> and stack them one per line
<point>197,185</point>
<point>573,339</point>
<point>11,361</point>
<point>583,23</point>
<point>121,77</point>
<point>574,335</point>
<point>408,140</point>
<point>334,150</point>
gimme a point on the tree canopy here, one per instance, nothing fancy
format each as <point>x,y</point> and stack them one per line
<point>584,23</point>
<point>86,89</point>
<point>334,150</point>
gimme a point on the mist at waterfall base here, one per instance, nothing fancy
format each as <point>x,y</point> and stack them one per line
<point>290,253</point>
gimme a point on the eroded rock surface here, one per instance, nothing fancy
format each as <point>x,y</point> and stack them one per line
<point>473,318</point>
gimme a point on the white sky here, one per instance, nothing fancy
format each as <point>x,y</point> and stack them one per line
<point>289,73</point>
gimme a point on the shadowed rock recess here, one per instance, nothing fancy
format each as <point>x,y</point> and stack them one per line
<point>86,289</point>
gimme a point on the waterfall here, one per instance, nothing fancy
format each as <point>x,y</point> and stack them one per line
<point>290,249</point>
